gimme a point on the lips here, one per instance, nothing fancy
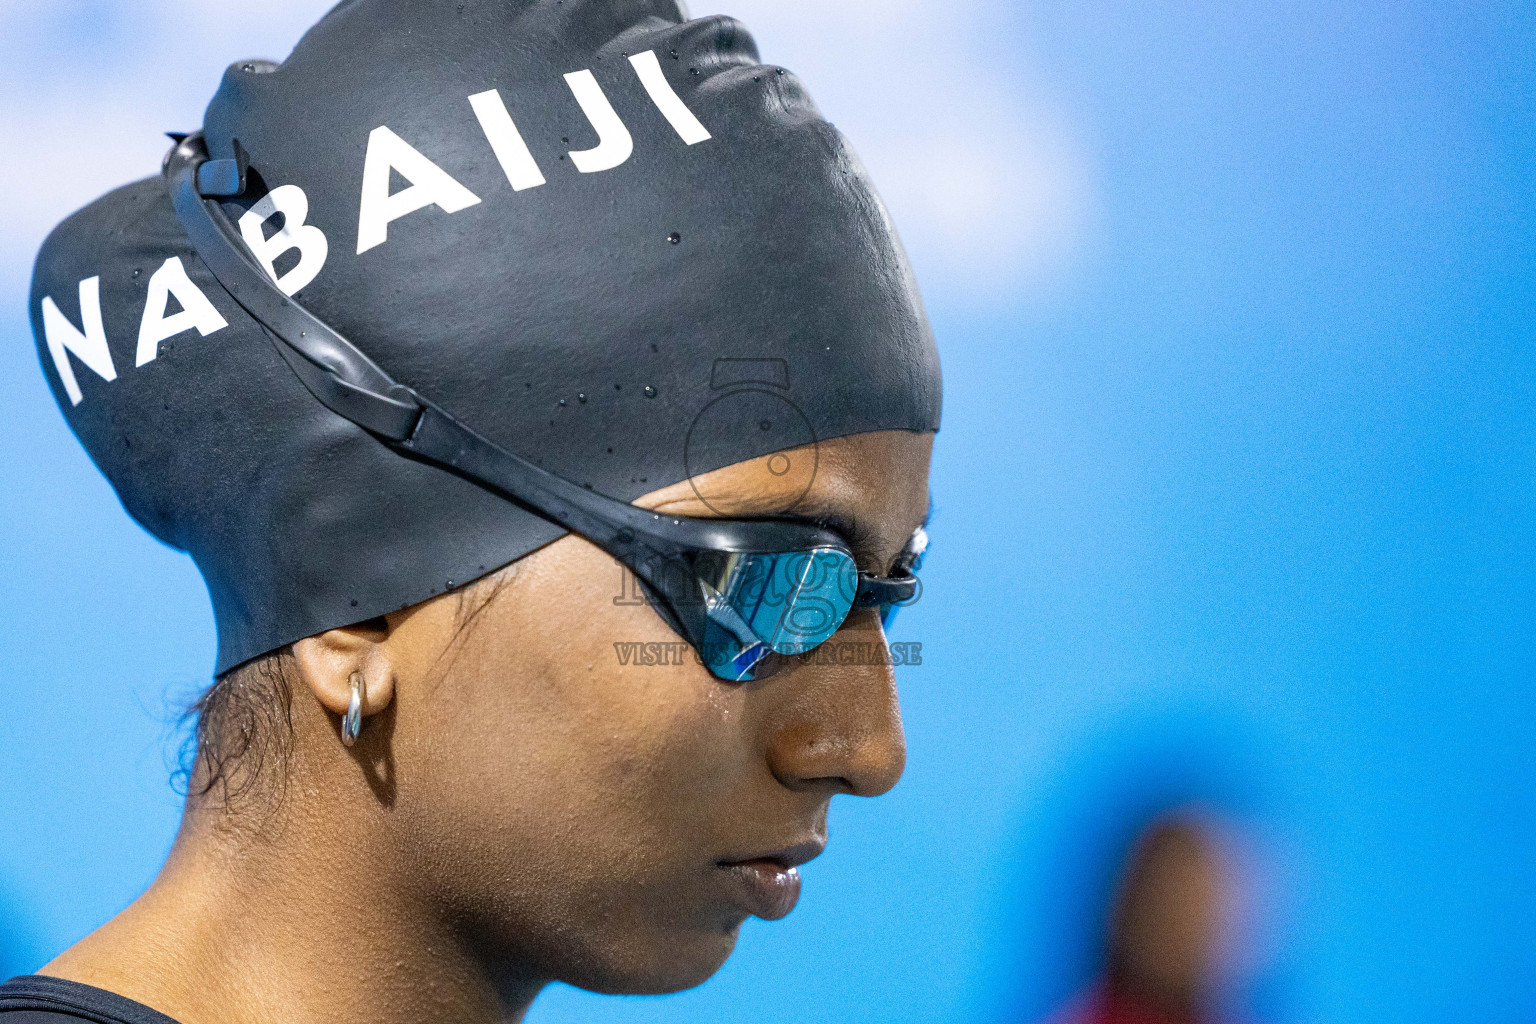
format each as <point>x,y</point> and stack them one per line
<point>768,886</point>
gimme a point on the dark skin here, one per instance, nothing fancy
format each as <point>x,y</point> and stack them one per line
<point>521,808</point>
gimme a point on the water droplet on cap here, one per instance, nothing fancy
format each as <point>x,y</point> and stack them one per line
<point>582,398</point>
<point>562,403</point>
<point>650,392</point>
<point>674,238</point>
<point>766,425</point>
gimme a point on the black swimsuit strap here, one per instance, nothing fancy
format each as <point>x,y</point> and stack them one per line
<point>40,998</point>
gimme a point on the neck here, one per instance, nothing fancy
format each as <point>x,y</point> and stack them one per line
<point>288,920</point>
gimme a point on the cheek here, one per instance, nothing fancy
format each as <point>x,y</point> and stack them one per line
<point>557,783</point>
<point>590,727</point>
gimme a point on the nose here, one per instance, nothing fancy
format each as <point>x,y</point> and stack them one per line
<point>838,725</point>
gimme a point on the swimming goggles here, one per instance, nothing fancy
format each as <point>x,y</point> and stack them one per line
<point>739,591</point>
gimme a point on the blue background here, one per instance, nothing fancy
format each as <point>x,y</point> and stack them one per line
<point>1242,514</point>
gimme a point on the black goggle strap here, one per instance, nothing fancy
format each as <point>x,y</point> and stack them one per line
<point>351,385</point>
<point>343,379</point>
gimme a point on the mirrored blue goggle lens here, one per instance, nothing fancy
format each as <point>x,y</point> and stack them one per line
<point>774,603</point>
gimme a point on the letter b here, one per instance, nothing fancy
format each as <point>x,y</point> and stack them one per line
<point>293,204</point>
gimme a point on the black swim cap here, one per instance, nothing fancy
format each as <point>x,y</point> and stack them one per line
<point>604,237</point>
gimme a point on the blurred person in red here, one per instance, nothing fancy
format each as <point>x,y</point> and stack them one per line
<point>1168,930</point>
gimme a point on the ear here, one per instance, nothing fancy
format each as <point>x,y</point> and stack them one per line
<point>330,660</point>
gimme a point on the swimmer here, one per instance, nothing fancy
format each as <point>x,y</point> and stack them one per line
<point>466,349</point>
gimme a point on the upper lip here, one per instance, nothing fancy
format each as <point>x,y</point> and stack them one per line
<point>786,858</point>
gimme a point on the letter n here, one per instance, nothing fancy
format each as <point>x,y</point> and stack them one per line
<point>89,345</point>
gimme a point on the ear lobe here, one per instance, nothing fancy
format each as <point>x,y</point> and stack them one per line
<point>329,661</point>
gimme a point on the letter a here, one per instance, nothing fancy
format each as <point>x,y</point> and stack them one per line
<point>430,185</point>
<point>613,140</point>
<point>196,310</point>
<point>90,345</point>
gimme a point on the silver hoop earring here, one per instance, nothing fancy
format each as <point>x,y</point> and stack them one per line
<point>352,721</point>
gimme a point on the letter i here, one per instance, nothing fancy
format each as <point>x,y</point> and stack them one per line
<point>507,143</point>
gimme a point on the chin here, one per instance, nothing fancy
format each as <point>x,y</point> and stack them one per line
<point>655,965</point>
